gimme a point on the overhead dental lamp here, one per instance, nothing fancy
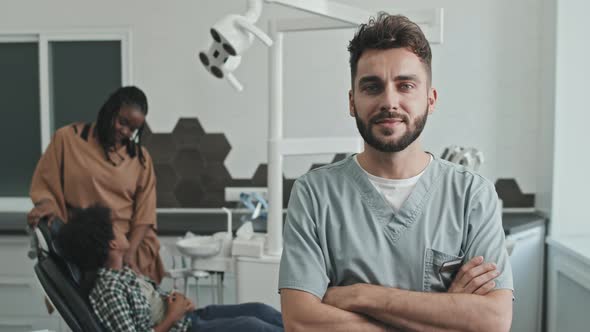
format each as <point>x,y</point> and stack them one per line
<point>231,36</point>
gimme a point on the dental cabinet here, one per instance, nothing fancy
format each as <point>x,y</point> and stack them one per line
<point>525,242</point>
<point>568,287</point>
<point>21,297</point>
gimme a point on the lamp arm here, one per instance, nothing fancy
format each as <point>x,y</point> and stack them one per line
<point>254,10</point>
<point>243,23</point>
<point>234,82</point>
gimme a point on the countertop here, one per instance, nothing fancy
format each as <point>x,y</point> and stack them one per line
<point>178,223</point>
<point>575,245</point>
<point>169,223</point>
<point>514,222</point>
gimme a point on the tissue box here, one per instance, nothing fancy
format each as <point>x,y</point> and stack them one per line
<point>253,247</point>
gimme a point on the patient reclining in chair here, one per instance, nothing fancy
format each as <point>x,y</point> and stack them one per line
<point>125,301</point>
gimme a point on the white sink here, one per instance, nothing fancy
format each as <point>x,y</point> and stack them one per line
<point>199,246</point>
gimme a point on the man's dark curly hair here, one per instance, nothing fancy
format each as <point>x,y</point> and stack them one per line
<point>386,32</point>
<point>84,239</point>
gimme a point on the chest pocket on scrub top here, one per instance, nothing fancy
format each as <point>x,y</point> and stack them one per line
<point>436,277</point>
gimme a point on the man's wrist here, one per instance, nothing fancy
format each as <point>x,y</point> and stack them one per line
<point>367,297</point>
<point>359,300</point>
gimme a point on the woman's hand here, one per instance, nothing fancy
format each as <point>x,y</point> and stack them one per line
<point>135,238</point>
<point>41,210</point>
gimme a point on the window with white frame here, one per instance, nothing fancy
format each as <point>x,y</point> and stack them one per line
<point>48,80</point>
<point>20,133</point>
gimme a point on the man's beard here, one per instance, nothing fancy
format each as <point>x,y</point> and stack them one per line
<point>400,144</point>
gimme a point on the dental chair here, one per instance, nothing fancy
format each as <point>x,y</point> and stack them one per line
<point>60,279</point>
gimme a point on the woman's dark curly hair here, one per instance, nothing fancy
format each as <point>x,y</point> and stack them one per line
<point>125,96</point>
<point>84,239</point>
<point>389,31</point>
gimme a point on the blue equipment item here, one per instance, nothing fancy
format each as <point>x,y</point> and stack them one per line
<point>255,203</point>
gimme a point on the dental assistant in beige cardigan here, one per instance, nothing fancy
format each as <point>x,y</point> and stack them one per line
<point>104,163</point>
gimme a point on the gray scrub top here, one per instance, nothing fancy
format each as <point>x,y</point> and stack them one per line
<point>341,231</point>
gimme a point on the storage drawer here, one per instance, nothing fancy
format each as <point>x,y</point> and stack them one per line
<point>13,256</point>
<point>527,259</point>
<point>21,297</point>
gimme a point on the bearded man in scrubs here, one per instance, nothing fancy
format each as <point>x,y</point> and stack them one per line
<point>394,238</point>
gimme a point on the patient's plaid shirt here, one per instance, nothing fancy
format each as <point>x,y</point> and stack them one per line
<point>120,305</point>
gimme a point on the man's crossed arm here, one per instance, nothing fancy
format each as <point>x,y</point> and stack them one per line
<point>417,311</point>
<point>469,306</point>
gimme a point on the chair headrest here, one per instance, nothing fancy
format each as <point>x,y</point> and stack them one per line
<point>45,234</point>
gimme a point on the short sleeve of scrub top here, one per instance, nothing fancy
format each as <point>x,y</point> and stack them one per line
<point>302,262</point>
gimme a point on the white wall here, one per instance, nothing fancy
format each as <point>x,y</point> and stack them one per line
<point>487,74</point>
<point>570,213</point>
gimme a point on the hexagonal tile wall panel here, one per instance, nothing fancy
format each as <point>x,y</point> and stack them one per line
<point>190,170</point>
